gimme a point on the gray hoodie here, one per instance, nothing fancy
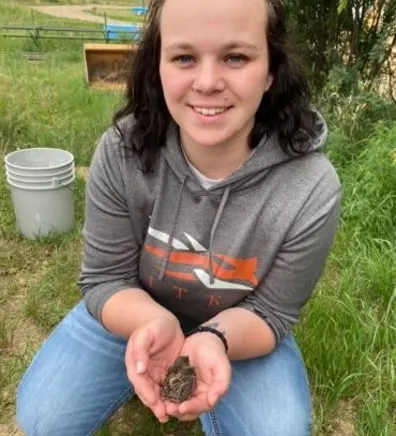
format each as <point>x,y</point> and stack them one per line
<point>258,239</point>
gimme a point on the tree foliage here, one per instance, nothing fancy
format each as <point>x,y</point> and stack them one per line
<point>357,36</point>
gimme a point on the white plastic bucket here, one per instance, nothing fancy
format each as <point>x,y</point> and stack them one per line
<point>41,182</point>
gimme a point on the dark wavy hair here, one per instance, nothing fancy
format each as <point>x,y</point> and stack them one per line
<point>284,110</point>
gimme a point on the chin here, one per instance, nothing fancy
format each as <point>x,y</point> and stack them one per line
<point>207,136</point>
<point>209,140</point>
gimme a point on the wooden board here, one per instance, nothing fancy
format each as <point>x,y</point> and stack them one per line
<point>107,65</point>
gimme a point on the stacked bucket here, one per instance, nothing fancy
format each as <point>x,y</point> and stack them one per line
<point>41,182</point>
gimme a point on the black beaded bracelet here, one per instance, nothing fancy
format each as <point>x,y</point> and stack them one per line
<point>203,328</point>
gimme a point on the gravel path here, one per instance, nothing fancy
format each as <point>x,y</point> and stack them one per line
<point>79,12</point>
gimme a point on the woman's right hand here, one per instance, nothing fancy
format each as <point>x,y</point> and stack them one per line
<point>151,349</point>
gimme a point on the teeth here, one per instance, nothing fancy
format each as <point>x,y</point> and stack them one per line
<point>210,111</point>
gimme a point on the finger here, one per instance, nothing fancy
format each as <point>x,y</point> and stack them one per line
<point>142,399</point>
<point>171,408</point>
<point>145,389</point>
<point>184,418</point>
<point>195,406</point>
<point>157,408</point>
<point>159,411</point>
<point>139,350</point>
<point>180,416</point>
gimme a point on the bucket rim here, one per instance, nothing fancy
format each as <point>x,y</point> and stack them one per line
<point>20,167</point>
<point>34,177</point>
<point>40,182</point>
<point>52,187</point>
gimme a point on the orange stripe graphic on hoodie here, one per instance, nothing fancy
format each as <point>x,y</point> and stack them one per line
<point>237,269</point>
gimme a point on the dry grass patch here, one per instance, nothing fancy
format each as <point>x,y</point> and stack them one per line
<point>343,424</point>
<point>82,172</point>
<point>23,264</point>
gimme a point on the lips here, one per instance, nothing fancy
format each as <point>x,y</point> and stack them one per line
<point>210,111</point>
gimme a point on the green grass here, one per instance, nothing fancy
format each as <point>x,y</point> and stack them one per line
<point>348,329</point>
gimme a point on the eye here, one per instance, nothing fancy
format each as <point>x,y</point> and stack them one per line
<point>183,60</point>
<point>236,59</point>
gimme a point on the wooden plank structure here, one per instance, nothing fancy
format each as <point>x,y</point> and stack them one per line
<point>106,65</point>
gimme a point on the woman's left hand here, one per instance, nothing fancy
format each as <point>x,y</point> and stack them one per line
<point>207,354</point>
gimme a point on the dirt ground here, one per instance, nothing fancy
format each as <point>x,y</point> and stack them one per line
<point>79,12</point>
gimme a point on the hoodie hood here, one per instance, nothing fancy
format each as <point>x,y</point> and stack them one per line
<point>268,154</point>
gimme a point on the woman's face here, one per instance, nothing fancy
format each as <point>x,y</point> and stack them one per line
<point>214,67</point>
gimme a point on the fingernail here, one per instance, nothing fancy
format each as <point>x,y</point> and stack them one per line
<point>139,367</point>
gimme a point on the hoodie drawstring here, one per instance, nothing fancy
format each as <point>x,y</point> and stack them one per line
<point>219,212</point>
<point>170,240</point>
<point>214,227</point>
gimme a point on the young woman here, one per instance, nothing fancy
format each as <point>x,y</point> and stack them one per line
<point>209,203</point>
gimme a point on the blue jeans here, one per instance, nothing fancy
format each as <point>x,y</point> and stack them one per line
<point>77,380</point>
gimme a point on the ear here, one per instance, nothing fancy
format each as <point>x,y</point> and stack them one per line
<point>268,84</point>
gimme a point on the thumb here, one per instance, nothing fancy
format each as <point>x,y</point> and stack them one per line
<point>219,386</point>
<point>216,392</point>
<point>141,362</point>
<point>213,397</point>
<point>138,351</point>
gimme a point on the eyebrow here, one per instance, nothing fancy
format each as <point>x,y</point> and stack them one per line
<point>229,46</point>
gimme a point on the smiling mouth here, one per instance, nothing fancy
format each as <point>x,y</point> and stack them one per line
<point>210,111</point>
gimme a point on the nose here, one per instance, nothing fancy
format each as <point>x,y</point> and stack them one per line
<point>208,78</point>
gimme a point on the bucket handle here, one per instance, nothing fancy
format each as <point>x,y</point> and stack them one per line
<point>56,183</point>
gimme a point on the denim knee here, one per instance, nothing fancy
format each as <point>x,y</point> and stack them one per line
<point>32,419</point>
<point>258,421</point>
<point>75,382</point>
<point>293,421</point>
<point>39,409</point>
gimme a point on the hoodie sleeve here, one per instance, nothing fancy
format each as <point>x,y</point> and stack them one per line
<point>300,261</point>
<point>110,254</point>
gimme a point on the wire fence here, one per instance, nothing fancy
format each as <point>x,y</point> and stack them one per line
<point>109,32</point>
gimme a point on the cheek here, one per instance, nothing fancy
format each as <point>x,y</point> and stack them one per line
<point>173,83</point>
